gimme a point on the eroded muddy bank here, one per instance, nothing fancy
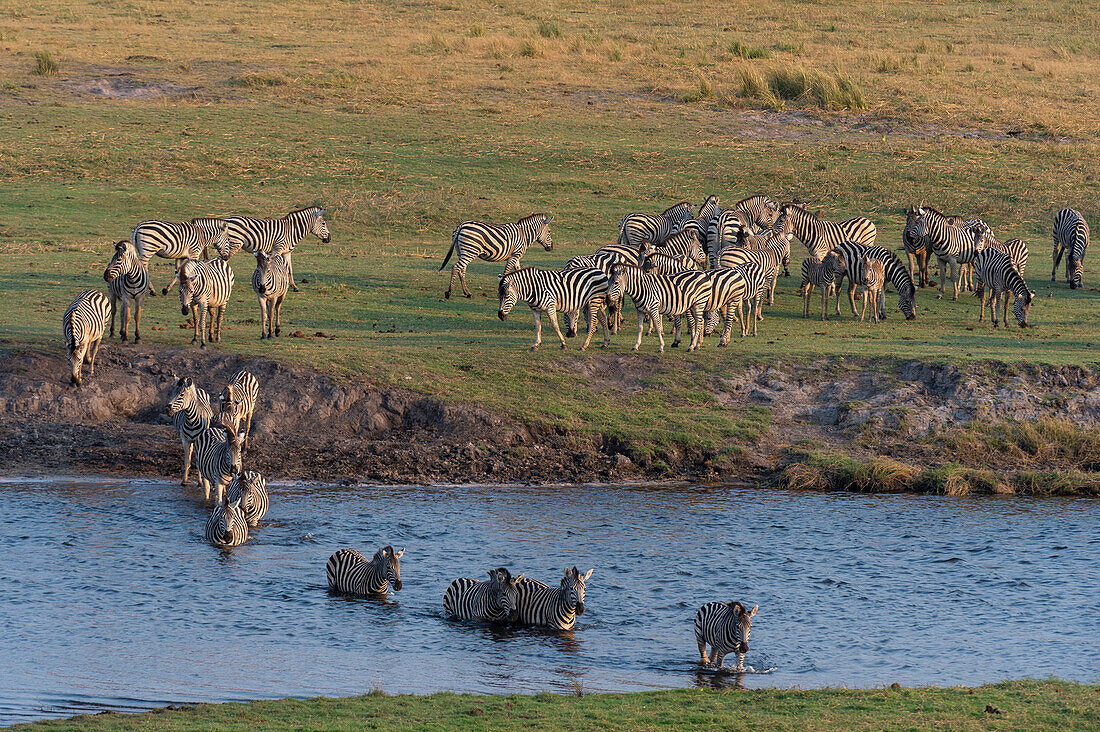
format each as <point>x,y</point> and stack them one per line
<point>314,426</point>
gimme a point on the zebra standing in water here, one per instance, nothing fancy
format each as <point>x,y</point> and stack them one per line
<point>205,287</point>
<point>653,295</point>
<point>852,255</point>
<point>636,228</point>
<point>820,273</point>
<point>218,457</point>
<point>251,489</point>
<point>493,601</point>
<point>494,243</point>
<point>874,286</point>
<point>995,270</point>
<point>191,415</point>
<point>238,401</point>
<point>227,525</point>
<point>820,235</point>
<point>82,326</point>
<point>270,281</point>
<point>558,608</point>
<point>350,573</point>
<point>1071,238</point>
<point>275,236</point>
<point>127,280</point>
<point>185,240</point>
<point>551,292</point>
<point>725,626</point>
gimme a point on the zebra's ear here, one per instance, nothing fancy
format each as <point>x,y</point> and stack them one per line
<point>588,574</point>
<point>399,554</point>
<point>188,381</point>
<point>569,571</point>
<point>515,580</point>
<point>753,611</point>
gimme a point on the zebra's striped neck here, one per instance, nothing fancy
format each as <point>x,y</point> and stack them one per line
<point>298,224</point>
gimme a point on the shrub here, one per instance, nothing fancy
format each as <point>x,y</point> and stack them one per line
<point>44,63</point>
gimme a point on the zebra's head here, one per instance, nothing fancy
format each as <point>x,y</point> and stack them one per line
<point>1076,271</point>
<point>505,594</point>
<point>319,227</point>
<point>188,270</point>
<point>543,235</point>
<point>832,263</point>
<point>615,286</point>
<point>741,625</point>
<point>1022,306</point>
<point>215,232</point>
<point>124,260</point>
<point>508,296</point>
<point>390,561</point>
<point>250,483</point>
<point>572,586</point>
<point>231,512</point>
<point>783,225</point>
<point>769,212</point>
<point>229,422</point>
<point>183,395</point>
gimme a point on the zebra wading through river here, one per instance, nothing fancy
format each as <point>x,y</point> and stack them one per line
<point>725,627</point>
<point>492,601</point>
<point>550,291</point>
<point>82,326</point>
<point>127,282</point>
<point>191,413</point>
<point>205,288</point>
<point>250,489</point>
<point>494,243</point>
<point>227,525</point>
<point>1071,238</point>
<point>349,572</point>
<point>218,457</point>
<point>178,240</point>
<point>552,607</point>
<point>275,236</point>
<point>995,270</point>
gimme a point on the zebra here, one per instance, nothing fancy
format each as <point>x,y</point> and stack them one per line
<point>493,601</point>
<point>758,211</point>
<point>995,269</point>
<point>819,273</point>
<point>227,525</point>
<point>722,232</point>
<point>557,608</point>
<point>725,626</point>
<point>275,236</point>
<point>756,282</point>
<point>82,326</point>
<point>127,280</point>
<point>685,243</point>
<point>820,235</point>
<point>666,264</point>
<point>251,488</point>
<point>551,292</point>
<point>191,415</point>
<point>655,295</point>
<point>238,401</point>
<point>853,254</point>
<point>350,573</point>
<point>270,281</point>
<point>184,240</point>
<point>636,228</point>
<point>495,243</point>
<point>205,286</point>
<point>874,285</point>
<point>1016,249</point>
<point>218,457</point>
<point>917,248</point>
<point>1071,238</point>
<point>728,289</point>
<point>953,245</point>
<point>769,258</point>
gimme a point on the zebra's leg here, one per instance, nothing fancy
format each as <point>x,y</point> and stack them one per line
<point>221,314</point>
<point>995,301</point>
<point>552,314</point>
<point>175,277</point>
<point>956,278</point>
<point>981,314</point>
<point>447,294</point>
<point>727,326</point>
<point>675,331</point>
<point>290,271</point>
<point>124,322</point>
<point>602,313</point>
<point>942,266</point>
<point>538,329</point>
<point>641,326</point>
<point>279,313</point>
<point>824,303</point>
<point>718,657</point>
<point>702,649</point>
<point>187,449</point>
<point>137,319</point>
<point>263,316</point>
<point>660,330</point>
<point>114,309</point>
<point>1057,256</point>
<point>93,350</point>
<point>200,325</point>
<point>851,297</point>
<point>697,329</point>
<point>590,319</point>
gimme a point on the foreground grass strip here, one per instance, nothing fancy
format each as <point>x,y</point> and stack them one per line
<point>1011,705</point>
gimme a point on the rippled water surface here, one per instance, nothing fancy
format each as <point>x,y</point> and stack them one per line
<point>111,599</point>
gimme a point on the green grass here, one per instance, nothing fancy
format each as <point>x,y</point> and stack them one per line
<point>1013,705</point>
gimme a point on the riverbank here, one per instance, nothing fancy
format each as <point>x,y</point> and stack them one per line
<point>1011,705</point>
<point>868,425</point>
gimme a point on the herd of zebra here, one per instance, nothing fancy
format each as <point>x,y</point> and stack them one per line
<point>205,284</point>
<point>711,265</point>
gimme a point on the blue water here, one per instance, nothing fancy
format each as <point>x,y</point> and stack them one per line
<point>113,601</point>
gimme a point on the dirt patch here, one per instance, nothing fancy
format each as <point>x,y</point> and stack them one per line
<point>124,85</point>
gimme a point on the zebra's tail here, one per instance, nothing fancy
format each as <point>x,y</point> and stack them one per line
<point>454,241</point>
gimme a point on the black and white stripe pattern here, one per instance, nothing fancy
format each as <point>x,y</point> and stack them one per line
<point>756,283</point>
<point>725,627</point>
<point>758,212</point>
<point>667,264</point>
<point>853,254</point>
<point>768,254</point>
<point>685,243</point>
<point>820,235</point>
<point>492,601</point>
<point>350,573</point>
<point>270,281</point>
<point>251,489</point>
<point>728,288</point>
<point>205,288</point>
<point>127,282</point>
<point>820,273</point>
<point>558,607</point>
<point>218,458</point>
<point>82,326</point>
<point>653,295</point>
<point>1016,249</point>
<point>179,240</point>
<point>275,236</point>
<point>227,525</point>
<point>191,415</point>
<point>238,402</point>
<point>954,245</point>
<point>874,285</point>
<point>1071,238</point>
<point>626,253</point>
<point>549,291</point>
<point>494,243</point>
<point>723,231</point>
<point>636,228</point>
<point>918,250</point>
<point>995,270</point>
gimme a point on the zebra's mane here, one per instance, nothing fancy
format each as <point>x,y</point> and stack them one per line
<point>539,217</point>
<point>670,209</point>
<point>307,209</point>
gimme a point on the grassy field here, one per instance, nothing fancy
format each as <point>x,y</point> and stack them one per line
<point>1012,705</point>
<point>405,119</point>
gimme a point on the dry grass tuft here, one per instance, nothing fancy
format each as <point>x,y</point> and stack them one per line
<point>44,63</point>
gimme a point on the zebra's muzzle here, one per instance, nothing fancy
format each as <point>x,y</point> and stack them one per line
<point>580,608</point>
<point>327,239</point>
<point>744,648</point>
<point>184,311</point>
<point>501,315</point>
<point>397,585</point>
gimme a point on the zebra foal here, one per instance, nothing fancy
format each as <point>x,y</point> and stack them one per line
<point>205,288</point>
<point>494,243</point>
<point>548,291</point>
<point>82,326</point>
<point>227,526</point>
<point>350,573</point>
<point>853,256</point>
<point>1071,238</point>
<point>996,271</point>
<point>250,489</point>
<point>127,281</point>
<point>270,281</point>
<point>874,285</point>
<point>189,408</point>
<point>725,627</point>
<point>552,607</point>
<point>492,601</point>
<point>821,273</point>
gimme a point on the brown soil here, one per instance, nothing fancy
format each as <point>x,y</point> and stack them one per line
<point>314,426</point>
